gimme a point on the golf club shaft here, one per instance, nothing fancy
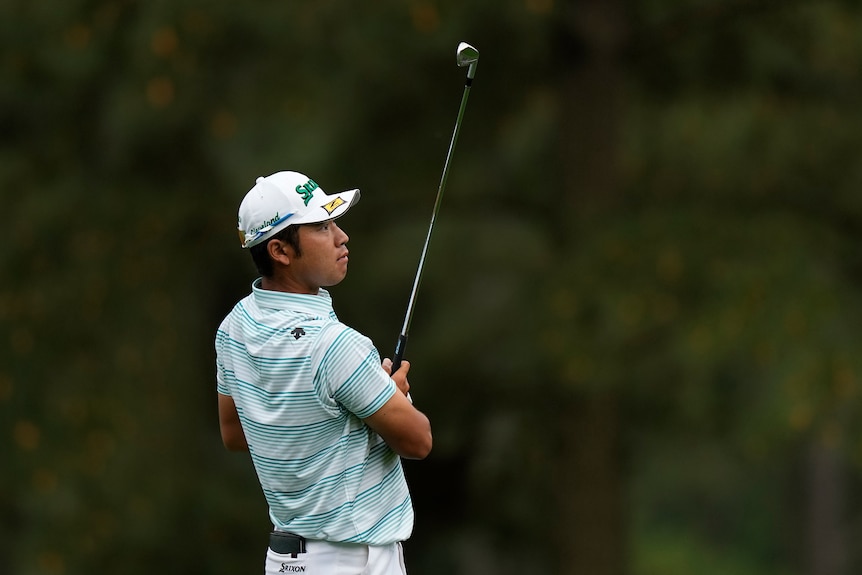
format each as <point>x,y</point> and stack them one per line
<point>398,356</point>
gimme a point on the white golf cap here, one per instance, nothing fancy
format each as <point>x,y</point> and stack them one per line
<point>287,198</point>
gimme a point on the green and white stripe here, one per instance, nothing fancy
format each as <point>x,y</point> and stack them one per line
<point>301,400</point>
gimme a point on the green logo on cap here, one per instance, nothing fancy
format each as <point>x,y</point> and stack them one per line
<point>306,190</point>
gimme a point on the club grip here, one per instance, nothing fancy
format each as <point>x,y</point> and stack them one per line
<point>399,352</point>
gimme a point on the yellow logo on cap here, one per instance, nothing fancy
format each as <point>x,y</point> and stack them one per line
<point>333,205</point>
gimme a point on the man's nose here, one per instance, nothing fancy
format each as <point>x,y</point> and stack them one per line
<point>341,235</point>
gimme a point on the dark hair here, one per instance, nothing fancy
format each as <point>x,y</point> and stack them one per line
<point>260,254</point>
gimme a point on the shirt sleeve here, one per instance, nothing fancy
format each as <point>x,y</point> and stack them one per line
<point>351,371</point>
<point>221,370</point>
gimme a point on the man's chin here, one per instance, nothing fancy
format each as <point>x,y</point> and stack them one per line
<point>334,281</point>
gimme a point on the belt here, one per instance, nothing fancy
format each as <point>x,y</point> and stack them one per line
<point>286,543</point>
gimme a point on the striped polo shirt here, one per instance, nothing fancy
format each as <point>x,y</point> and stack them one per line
<point>302,381</point>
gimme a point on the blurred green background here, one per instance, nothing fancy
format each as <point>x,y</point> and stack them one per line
<point>638,335</point>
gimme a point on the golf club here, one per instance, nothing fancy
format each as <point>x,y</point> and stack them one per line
<point>466,55</point>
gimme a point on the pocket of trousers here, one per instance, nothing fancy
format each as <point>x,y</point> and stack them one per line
<point>280,563</point>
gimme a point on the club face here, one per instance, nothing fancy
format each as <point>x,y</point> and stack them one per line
<point>466,54</point>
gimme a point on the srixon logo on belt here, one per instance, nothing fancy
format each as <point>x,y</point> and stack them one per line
<point>285,568</point>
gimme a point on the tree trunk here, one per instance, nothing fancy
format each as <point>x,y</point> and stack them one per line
<point>590,487</point>
<point>591,502</point>
<point>827,544</point>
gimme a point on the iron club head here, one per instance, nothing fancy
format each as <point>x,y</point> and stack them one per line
<point>467,55</point>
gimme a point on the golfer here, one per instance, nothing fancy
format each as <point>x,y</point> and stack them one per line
<point>324,420</point>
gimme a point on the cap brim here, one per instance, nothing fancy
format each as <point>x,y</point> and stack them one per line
<point>328,207</point>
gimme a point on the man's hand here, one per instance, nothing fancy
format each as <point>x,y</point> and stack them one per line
<point>405,429</point>
<point>400,376</point>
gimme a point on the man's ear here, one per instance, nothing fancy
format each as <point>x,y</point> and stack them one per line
<point>280,251</point>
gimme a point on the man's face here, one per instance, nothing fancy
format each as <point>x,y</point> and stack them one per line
<point>323,261</point>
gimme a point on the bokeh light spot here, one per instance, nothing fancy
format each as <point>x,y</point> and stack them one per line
<point>26,435</point>
<point>425,17</point>
<point>160,91</point>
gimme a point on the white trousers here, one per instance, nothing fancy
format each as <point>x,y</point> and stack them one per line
<point>325,558</point>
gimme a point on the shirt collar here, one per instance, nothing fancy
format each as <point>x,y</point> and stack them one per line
<point>318,305</point>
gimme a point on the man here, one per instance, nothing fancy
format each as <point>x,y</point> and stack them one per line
<point>308,396</point>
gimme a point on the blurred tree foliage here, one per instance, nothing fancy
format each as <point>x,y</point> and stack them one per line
<point>666,281</point>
